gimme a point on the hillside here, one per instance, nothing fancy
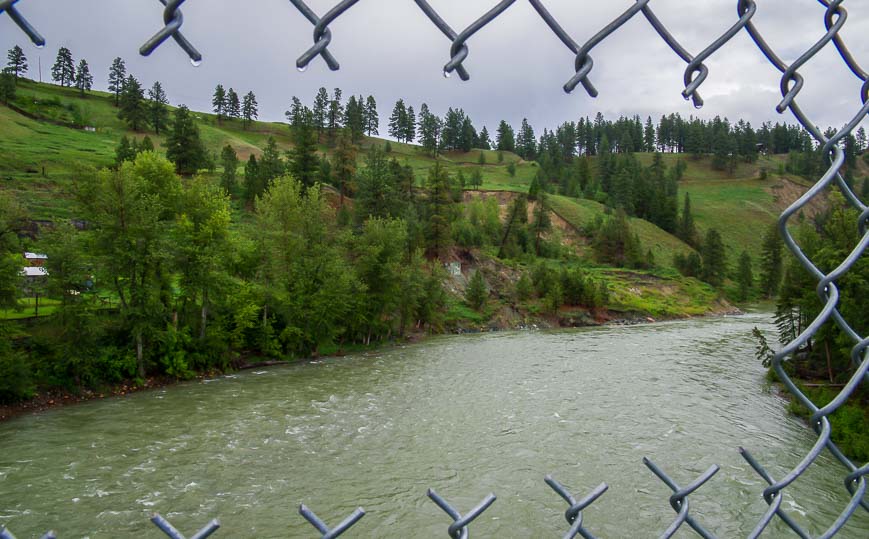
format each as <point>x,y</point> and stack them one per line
<point>44,143</point>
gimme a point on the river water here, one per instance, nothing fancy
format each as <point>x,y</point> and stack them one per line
<point>466,415</point>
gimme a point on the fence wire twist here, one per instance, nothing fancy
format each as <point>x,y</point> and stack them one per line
<point>696,72</point>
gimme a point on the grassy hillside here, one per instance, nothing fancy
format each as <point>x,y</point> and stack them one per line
<point>49,133</point>
<point>45,138</point>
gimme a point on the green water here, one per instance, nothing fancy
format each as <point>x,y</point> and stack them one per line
<point>465,415</point>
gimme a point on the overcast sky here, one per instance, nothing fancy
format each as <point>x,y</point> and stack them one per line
<point>388,48</point>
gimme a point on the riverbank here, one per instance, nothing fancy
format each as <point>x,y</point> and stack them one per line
<point>56,398</point>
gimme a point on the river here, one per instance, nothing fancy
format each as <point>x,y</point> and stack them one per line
<point>466,415</point>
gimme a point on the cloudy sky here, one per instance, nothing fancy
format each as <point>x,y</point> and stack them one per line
<point>388,48</point>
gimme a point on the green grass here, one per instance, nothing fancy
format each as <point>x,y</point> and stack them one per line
<point>28,309</point>
<point>53,141</point>
<point>579,212</point>
<point>660,294</point>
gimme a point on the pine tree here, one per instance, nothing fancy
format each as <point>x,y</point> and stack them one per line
<point>505,139</point>
<point>429,130</point>
<point>218,102</point>
<point>84,81</point>
<point>233,105</point>
<point>134,109</point>
<point>304,164</point>
<point>249,109</point>
<point>398,120</point>
<point>229,160</point>
<point>321,105</point>
<point>541,223</point>
<point>526,146</point>
<point>714,259</point>
<point>157,107</point>
<point>117,76</point>
<point>7,87</point>
<point>17,62</point>
<point>410,125</point>
<point>771,266</point>
<point>687,232</point>
<point>252,187</point>
<point>344,165</point>
<point>476,293</point>
<point>438,211</point>
<point>649,135</point>
<point>745,277</point>
<point>125,151</point>
<point>372,119</point>
<point>183,145</point>
<point>335,114</point>
<point>485,141</point>
<point>63,70</point>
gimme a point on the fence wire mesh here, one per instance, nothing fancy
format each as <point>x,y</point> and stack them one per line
<point>696,72</point>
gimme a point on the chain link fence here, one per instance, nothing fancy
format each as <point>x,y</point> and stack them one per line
<point>696,72</point>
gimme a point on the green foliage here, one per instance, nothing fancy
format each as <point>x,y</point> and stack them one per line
<point>15,376</point>
<point>477,292</point>
<point>771,265</point>
<point>714,259</point>
<point>63,70</point>
<point>524,288</point>
<point>745,277</point>
<point>615,243</point>
<point>7,87</point>
<point>183,144</point>
<point>229,160</point>
<point>133,107</point>
<point>439,215</point>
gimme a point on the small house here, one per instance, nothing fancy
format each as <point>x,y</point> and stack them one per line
<point>35,260</point>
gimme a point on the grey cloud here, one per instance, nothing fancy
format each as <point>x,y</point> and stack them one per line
<point>388,48</point>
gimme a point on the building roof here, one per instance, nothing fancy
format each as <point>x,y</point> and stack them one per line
<point>34,272</point>
<point>35,256</point>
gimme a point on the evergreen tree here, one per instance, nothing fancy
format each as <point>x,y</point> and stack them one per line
<point>84,81</point>
<point>271,165</point>
<point>117,76</point>
<point>398,120</point>
<point>714,259</point>
<point>541,223</point>
<point>372,119</point>
<point>321,106</point>
<point>157,107</point>
<point>771,266</point>
<point>377,195</point>
<point>526,145</point>
<point>429,130</point>
<point>354,118</point>
<point>745,277</point>
<point>485,141</point>
<point>344,166</point>
<point>335,114</point>
<point>183,145</point>
<point>252,186</point>
<point>17,62</point>
<point>861,139</point>
<point>505,139</point>
<point>219,102</point>
<point>438,211</point>
<point>229,160</point>
<point>133,108</point>
<point>303,157</point>
<point>687,232</point>
<point>63,70</point>
<point>125,151</point>
<point>7,87</point>
<point>409,128</point>
<point>476,293</point>
<point>649,136</point>
<point>249,109</point>
<point>615,244</point>
<point>233,105</point>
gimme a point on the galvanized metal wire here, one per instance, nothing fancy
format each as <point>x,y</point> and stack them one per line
<point>696,72</point>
